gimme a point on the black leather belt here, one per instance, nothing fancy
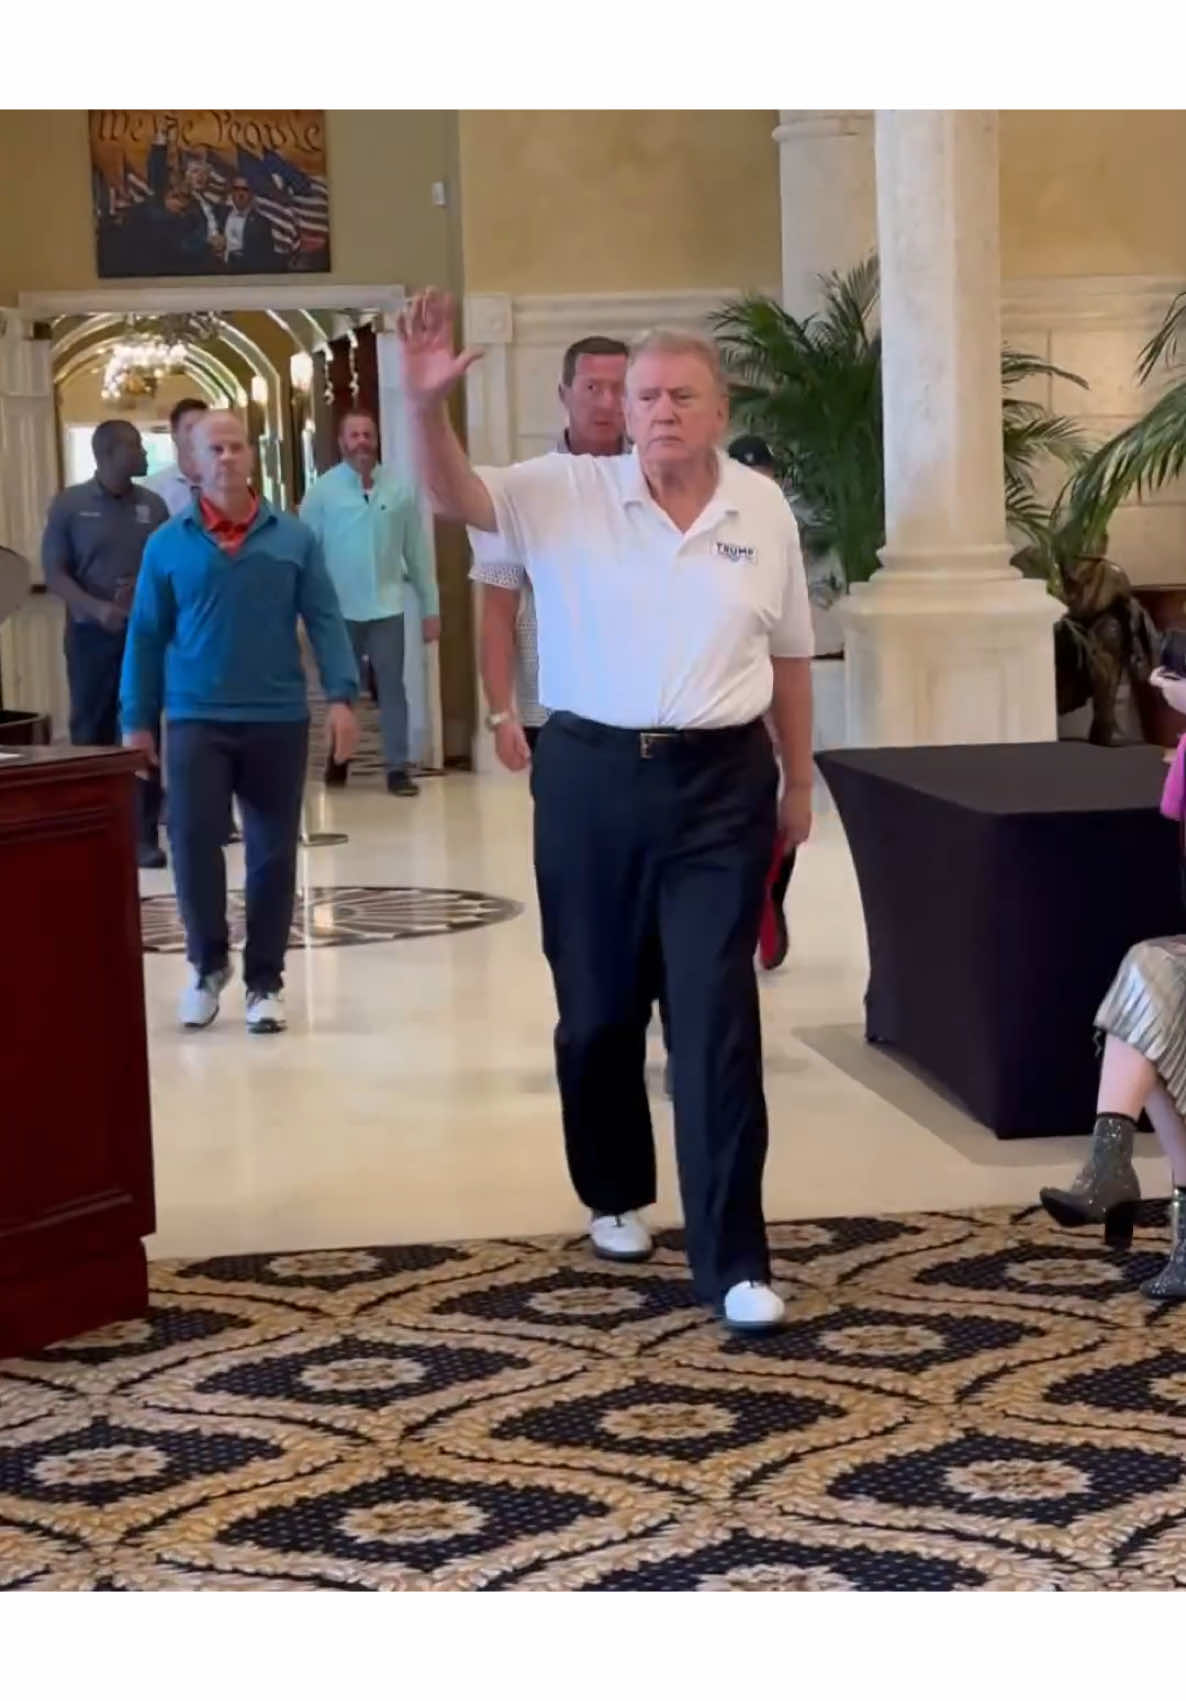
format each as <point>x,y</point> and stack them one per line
<point>654,742</point>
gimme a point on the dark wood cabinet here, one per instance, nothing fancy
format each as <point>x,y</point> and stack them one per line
<point>76,1188</point>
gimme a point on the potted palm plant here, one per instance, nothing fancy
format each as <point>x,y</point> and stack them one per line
<point>812,388</point>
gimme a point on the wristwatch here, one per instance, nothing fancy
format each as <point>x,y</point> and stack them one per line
<point>493,722</point>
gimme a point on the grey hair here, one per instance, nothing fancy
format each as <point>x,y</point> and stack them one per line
<point>666,339</point>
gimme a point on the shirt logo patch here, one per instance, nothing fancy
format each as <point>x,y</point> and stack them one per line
<point>737,552</point>
<point>143,513</point>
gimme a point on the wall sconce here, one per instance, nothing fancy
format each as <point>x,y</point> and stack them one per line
<point>300,370</point>
<point>259,390</point>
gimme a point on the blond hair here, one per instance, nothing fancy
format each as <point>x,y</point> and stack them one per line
<point>665,339</point>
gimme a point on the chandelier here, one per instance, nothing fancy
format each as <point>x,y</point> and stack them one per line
<point>156,347</point>
<point>134,370</point>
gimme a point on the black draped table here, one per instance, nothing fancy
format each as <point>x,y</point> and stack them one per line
<point>1002,885</point>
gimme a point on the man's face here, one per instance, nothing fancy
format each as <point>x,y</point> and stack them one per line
<point>197,176</point>
<point>240,196</point>
<point>124,458</point>
<point>183,442</point>
<point>359,443</point>
<point>675,411</point>
<point>593,402</point>
<point>222,456</point>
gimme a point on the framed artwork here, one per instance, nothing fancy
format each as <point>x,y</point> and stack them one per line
<point>200,194</point>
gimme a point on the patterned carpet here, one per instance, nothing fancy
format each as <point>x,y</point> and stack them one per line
<point>343,915</point>
<point>962,1401</point>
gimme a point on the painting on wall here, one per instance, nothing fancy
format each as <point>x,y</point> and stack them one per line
<point>201,194</point>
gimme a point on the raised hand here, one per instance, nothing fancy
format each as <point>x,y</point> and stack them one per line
<point>431,368</point>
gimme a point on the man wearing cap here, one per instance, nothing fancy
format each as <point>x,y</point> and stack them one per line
<point>673,614</point>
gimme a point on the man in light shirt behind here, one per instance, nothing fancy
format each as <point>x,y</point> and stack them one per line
<point>369,526</point>
<point>178,485</point>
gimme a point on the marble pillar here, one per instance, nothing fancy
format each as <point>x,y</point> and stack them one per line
<point>828,199</point>
<point>947,643</point>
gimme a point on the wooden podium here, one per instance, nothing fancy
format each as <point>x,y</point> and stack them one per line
<point>76,1193</point>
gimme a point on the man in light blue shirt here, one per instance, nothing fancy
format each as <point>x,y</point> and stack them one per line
<point>373,537</point>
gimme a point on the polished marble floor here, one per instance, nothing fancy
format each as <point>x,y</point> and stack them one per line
<point>412,1098</point>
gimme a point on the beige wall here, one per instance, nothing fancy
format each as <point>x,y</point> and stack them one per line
<point>584,202</point>
<point>382,165</point>
<point>1093,192</point>
<point>559,202</point>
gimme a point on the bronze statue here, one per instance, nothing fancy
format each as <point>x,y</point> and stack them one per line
<point>1121,638</point>
<point>1105,634</point>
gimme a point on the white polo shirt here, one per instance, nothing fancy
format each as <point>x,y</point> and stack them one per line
<point>642,625</point>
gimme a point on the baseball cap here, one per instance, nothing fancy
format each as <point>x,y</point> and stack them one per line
<point>752,452</point>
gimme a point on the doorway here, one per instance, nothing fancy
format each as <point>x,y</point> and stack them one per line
<point>290,358</point>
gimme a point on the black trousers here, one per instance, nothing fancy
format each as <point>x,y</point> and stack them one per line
<point>262,763</point>
<point>651,856</point>
<point>94,658</point>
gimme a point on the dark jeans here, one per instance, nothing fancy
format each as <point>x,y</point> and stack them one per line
<point>262,763</point>
<point>94,658</point>
<point>381,642</point>
<point>651,861</point>
<point>531,734</point>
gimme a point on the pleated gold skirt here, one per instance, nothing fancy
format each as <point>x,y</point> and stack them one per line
<point>1146,1007</point>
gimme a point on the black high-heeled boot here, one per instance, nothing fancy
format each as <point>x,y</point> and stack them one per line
<point>1170,1280</point>
<point>1106,1189</point>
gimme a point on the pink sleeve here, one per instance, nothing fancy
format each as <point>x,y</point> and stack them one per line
<point>1173,797</point>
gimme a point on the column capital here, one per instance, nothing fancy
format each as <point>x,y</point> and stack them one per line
<point>805,125</point>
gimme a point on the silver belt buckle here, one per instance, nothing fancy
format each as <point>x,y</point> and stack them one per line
<point>649,742</point>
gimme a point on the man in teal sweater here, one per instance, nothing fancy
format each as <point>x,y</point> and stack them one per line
<point>368,523</point>
<point>212,642</point>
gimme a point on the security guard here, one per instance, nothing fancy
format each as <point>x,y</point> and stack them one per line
<point>90,553</point>
<point>673,615</point>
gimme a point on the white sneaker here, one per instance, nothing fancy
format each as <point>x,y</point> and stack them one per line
<point>198,1004</point>
<point>626,1238</point>
<point>753,1305</point>
<point>265,1013</point>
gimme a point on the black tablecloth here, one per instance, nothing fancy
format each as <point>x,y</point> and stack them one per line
<point>1002,885</point>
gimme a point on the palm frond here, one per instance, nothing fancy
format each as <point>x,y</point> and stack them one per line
<point>1029,433</point>
<point>849,301</point>
<point>1141,458</point>
<point>811,387</point>
<point>1163,344</point>
<point>1017,367</point>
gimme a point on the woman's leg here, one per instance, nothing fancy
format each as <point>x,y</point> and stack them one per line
<point>1106,1189</point>
<point>1127,1080</point>
<point>1170,1130</point>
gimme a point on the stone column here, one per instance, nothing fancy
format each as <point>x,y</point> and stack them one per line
<point>829,217</point>
<point>947,644</point>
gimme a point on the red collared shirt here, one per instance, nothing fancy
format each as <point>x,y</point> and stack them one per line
<point>228,534</point>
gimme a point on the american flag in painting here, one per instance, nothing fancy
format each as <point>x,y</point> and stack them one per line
<point>295,204</point>
<point>162,197</point>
